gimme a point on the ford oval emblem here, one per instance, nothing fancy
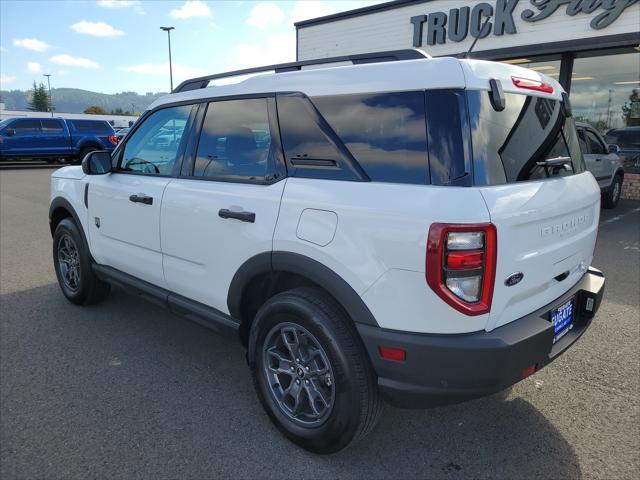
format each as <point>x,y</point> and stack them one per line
<point>513,279</point>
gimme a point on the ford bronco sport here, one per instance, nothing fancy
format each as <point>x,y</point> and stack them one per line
<point>403,228</point>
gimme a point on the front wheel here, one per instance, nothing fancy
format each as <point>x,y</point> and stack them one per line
<point>73,266</point>
<point>311,372</point>
<point>612,197</point>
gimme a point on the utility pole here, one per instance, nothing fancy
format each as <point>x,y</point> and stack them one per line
<point>48,75</point>
<point>168,30</point>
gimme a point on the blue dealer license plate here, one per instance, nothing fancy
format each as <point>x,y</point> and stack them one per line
<point>562,319</point>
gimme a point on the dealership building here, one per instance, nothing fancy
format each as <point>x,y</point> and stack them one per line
<point>592,47</point>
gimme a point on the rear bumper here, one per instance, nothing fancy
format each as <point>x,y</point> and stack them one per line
<point>445,369</point>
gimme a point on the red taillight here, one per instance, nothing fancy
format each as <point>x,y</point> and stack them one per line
<point>529,84</point>
<point>458,260</point>
<point>395,354</point>
<point>461,265</point>
<point>530,370</point>
<point>113,139</point>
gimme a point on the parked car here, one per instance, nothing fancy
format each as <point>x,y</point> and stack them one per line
<point>628,139</point>
<point>54,138</point>
<point>360,244</point>
<point>603,162</point>
<point>120,134</point>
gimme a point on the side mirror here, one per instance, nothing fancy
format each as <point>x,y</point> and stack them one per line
<point>10,132</point>
<point>613,148</point>
<point>97,162</point>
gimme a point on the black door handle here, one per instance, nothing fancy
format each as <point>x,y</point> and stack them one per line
<point>598,159</point>
<point>141,199</point>
<point>249,217</point>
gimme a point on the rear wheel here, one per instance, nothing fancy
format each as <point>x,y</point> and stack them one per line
<point>73,266</point>
<point>612,197</point>
<point>311,372</point>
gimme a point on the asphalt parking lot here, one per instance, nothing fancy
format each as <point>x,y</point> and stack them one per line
<point>127,390</point>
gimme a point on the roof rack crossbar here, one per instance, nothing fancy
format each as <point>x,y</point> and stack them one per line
<point>357,59</point>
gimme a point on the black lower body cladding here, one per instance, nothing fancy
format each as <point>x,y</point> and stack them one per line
<point>447,369</point>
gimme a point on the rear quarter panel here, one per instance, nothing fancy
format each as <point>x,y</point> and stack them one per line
<point>379,244</point>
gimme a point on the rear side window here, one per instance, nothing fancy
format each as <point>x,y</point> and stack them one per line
<point>509,145</point>
<point>52,126</point>
<point>92,126</point>
<point>385,133</point>
<point>23,127</point>
<point>235,141</point>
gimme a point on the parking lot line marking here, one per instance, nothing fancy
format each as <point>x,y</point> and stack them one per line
<point>615,219</point>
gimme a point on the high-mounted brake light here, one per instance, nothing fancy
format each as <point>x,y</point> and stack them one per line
<point>113,139</point>
<point>529,84</point>
<point>461,265</point>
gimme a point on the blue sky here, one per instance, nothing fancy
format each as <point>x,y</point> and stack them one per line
<point>116,45</point>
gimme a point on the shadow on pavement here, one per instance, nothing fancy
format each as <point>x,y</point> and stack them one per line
<point>125,389</point>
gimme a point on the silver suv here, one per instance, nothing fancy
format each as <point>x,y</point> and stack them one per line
<point>603,162</point>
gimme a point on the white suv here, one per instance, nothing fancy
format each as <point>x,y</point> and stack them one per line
<point>414,229</point>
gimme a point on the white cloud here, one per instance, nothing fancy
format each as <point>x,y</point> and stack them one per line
<point>179,71</point>
<point>265,15</point>
<point>34,67</point>
<point>96,29</point>
<point>278,48</point>
<point>68,60</point>
<point>31,44</point>
<point>306,9</point>
<point>5,79</point>
<point>120,4</point>
<point>191,8</point>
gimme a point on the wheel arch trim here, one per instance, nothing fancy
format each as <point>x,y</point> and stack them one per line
<point>61,202</point>
<point>318,273</point>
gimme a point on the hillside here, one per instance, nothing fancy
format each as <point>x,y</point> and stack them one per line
<point>75,100</point>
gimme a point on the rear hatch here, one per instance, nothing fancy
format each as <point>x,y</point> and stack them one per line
<point>545,206</point>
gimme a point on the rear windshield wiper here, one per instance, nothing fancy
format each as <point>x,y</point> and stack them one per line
<point>555,164</point>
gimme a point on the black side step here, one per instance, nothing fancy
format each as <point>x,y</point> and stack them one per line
<point>190,309</point>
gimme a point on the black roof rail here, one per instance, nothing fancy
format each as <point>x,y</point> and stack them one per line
<point>357,59</point>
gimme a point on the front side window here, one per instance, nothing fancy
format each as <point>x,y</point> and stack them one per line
<point>154,147</point>
<point>235,141</point>
<point>385,133</point>
<point>595,145</point>
<point>26,127</point>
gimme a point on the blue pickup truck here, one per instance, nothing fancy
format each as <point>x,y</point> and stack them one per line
<point>54,138</point>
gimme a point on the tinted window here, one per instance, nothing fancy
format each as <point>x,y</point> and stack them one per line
<point>449,156</point>
<point>625,138</point>
<point>309,142</point>
<point>154,147</point>
<point>582,141</point>
<point>26,126</point>
<point>52,126</point>
<point>507,145</point>
<point>235,140</point>
<point>595,146</point>
<point>385,133</point>
<point>92,126</point>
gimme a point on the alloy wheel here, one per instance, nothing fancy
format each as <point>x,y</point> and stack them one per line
<point>69,262</point>
<point>299,375</point>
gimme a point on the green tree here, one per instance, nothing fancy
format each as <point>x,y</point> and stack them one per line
<point>95,110</point>
<point>631,109</point>
<point>39,99</point>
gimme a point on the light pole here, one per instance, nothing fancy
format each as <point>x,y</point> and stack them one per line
<point>168,30</point>
<point>48,75</point>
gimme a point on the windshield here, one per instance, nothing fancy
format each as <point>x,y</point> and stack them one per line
<point>513,145</point>
<point>4,122</point>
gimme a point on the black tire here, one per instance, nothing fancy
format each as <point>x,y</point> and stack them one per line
<point>355,401</point>
<point>612,197</point>
<point>83,153</point>
<point>86,289</point>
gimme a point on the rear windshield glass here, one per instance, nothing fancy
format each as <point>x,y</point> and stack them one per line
<point>527,140</point>
<point>92,126</point>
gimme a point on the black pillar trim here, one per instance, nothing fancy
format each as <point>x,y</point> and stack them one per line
<point>566,69</point>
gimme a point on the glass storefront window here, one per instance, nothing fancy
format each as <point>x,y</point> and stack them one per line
<point>548,65</point>
<point>605,92</point>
